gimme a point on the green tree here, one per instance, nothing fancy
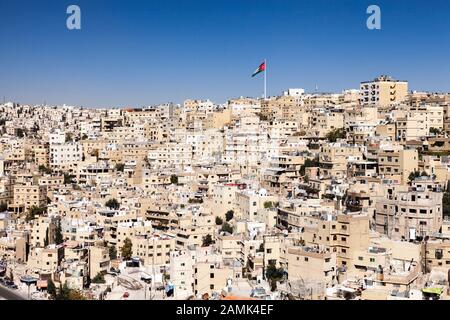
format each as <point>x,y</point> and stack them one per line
<point>113,204</point>
<point>58,233</point>
<point>34,211</point>
<point>446,204</point>
<point>68,178</point>
<point>273,274</point>
<point>120,167</point>
<point>335,134</point>
<point>226,227</point>
<point>20,133</point>
<point>112,252</point>
<point>99,278</point>
<point>435,131</point>
<point>261,248</point>
<point>76,295</point>
<point>413,175</point>
<point>69,137</point>
<point>268,204</point>
<point>207,241</point>
<point>45,169</point>
<point>308,163</point>
<point>219,221</point>
<point>51,289</point>
<point>65,293</point>
<point>229,215</point>
<point>46,238</point>
<point>95,153</point>
<point>174,179</point>
<point>127,249</point>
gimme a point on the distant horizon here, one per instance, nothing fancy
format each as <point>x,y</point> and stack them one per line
<point>203,99</point>
<point>140,53</point>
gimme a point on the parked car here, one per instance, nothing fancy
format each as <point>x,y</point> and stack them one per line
<point>126,294</point>
<point>10,284</point>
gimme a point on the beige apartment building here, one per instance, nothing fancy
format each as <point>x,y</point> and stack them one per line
<point>41,154</point>
<point>153,249</point>
<point>249,202</point>
<point>45,260</point>
<point>192,229</point>
<point>229,246</point>
<point>283,172</point>
<point>99,261</point>
<point>181,272</point>
<point>130,230</point>
<point>28,195</point>
<point>409,213</point>
<point>43,229</point>
<point>343,233</point>
<point>334,157</point>
<point>386,130</point>
<point>383,92</point>
<point>412,126</point>
<point>397,163</point>
<point>311,264</point>
<point>211,277</point>
<point>323,121</point>
<point>6,190</point>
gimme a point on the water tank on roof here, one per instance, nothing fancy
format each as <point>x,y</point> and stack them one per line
<point>262,192</point>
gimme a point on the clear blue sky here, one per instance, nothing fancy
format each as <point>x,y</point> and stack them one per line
<point>134,53</point>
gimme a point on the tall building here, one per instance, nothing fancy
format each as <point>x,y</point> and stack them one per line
<point>383,91</point>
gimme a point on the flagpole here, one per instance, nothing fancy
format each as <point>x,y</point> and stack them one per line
<point>265,79</point>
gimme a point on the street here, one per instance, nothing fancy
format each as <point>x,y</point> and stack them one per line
<point>8,294</point>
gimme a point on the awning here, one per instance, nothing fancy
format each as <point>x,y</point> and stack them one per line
<point>41,284</point>
<point>433,290</point>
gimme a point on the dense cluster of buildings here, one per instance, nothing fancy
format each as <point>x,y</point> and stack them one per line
<point>297,196</point>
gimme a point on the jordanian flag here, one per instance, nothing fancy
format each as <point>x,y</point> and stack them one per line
<point>261,68</point>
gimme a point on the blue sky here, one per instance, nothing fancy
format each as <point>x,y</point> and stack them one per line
<point>135,53</point>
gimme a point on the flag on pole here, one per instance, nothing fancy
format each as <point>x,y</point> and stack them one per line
<point>261,68</point>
